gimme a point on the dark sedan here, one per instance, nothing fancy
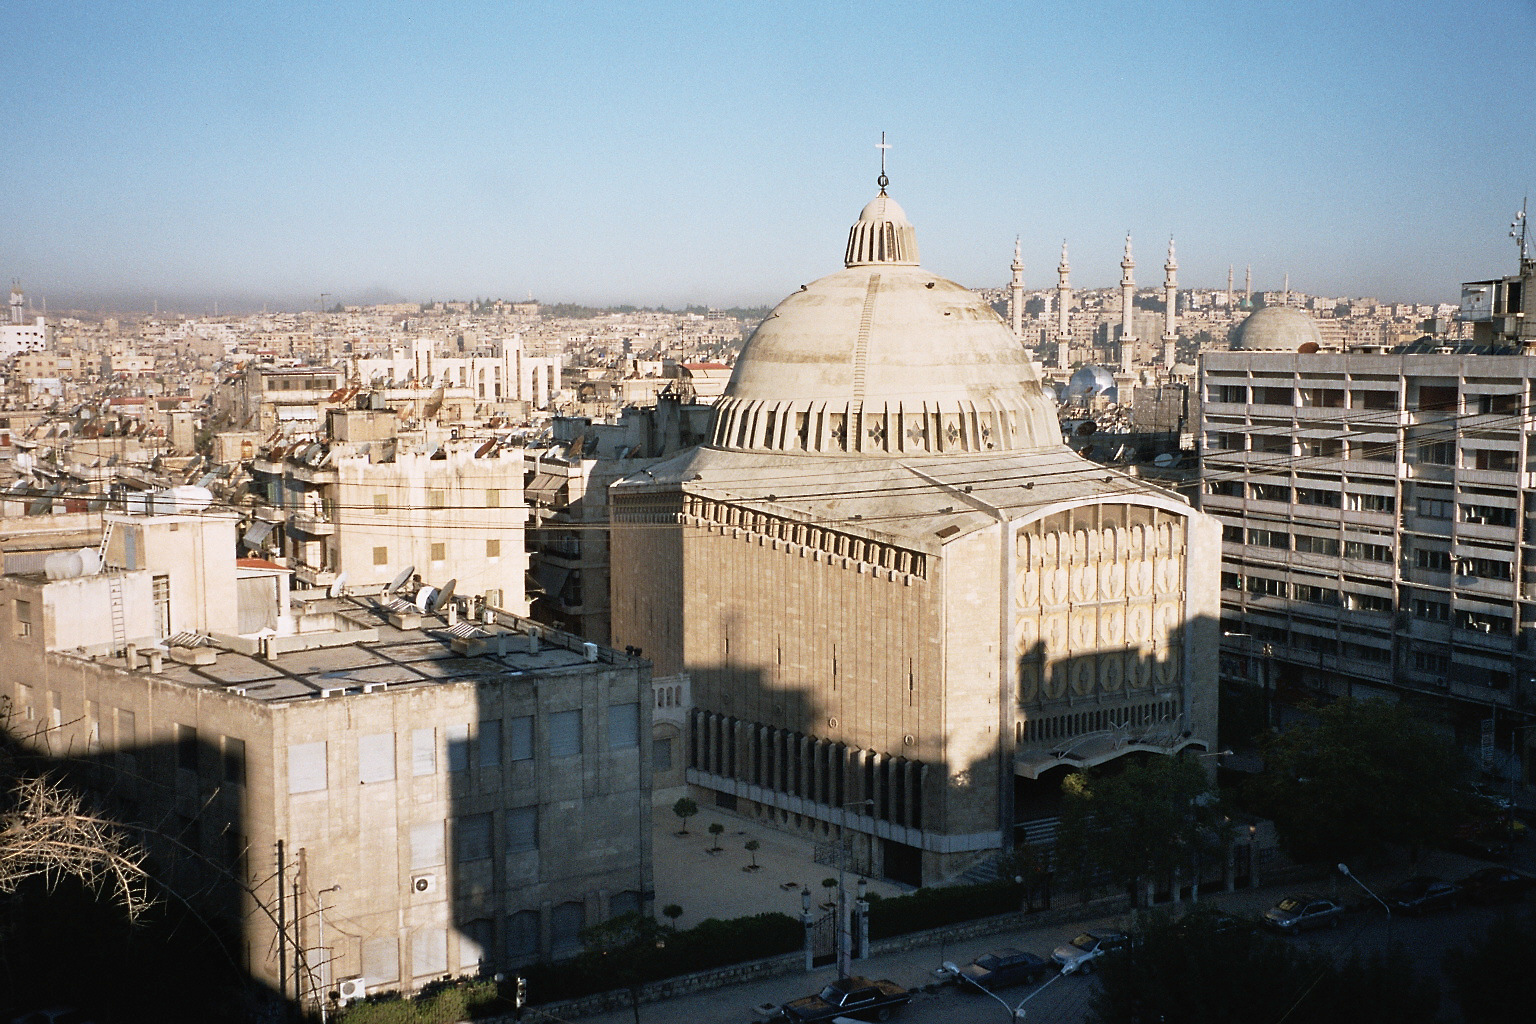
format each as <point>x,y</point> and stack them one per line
<point>1421,894</point>
<point>1298,913</point>
<point>1002,968</point>
<point>1496,885</point>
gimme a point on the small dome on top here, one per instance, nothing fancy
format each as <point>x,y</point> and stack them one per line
<point>1276,329</point>
<point>882,234</point>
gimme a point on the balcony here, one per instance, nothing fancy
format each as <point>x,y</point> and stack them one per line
<point>312,523</point>
<point>270,514</point>
<point>314,577</point>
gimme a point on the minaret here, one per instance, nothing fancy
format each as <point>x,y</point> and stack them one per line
<point>18,302</point>
<point>1127,305</point>
<point>1285,296</point>
<point>1171,310</point>
<point>1248,287</point>
<point>1229,289</point>
<point>1063,305</point>
<point>1016,303</point>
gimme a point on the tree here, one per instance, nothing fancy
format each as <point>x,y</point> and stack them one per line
<point>1357,778</point>
<point>1205,969</point>
<point>1492,978</point>
<point>672,912</point>
<point>752,846</point>
<point>1139,824</point>
<point>685,808</point>
<point>716,830</point>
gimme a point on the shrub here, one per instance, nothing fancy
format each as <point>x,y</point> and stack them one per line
<point>934,908</point>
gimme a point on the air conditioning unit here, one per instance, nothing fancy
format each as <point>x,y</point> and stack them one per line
<point>421,885</point>
<point>350,990</point>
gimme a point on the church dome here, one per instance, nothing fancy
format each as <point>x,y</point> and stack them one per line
<point>1276,329</point>
<point>884,358</point>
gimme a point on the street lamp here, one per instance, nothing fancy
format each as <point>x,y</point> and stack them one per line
<point>325,957</point>
<point>1267,650</point>
<point>1015,1013</point>
<point>844,924</point>
<point>1344,870</point>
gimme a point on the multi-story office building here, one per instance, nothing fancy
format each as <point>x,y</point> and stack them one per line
<point>1378,532</point>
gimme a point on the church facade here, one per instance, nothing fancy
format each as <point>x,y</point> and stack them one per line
<point>906,608</point>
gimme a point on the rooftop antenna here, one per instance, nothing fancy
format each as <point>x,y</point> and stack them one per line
<point>1517,229</point>
<point>882,181</point>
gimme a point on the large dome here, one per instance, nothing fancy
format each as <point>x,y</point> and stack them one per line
<point>1276,329</point>
<point>884,357</point>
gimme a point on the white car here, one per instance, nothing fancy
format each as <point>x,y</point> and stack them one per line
<point>1077,956</point>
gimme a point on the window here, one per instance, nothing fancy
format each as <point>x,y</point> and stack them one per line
<point>565,925</point>
<point>1270,539</point>
<point>1503,405</point>
<point>1272,396</point>
<point>1236,394</point>
<point>1434,508</point>
<point>489,744</point>
<point>23,618</point>
<point>565,733</point>
<point>1370,603</point>
<point>492,498</point>
<point>1313,496</point>
<point>1232,533</point>
<point>1231,581</point>
<point>523,936</point>
<point>1229,442</point>
<point>1488,515</point>
<point>472,837</point>
<point>306,767</point>
<point>1372,503</point>
<point>1435,561</point>
<point>1437,398</point>
<point>1483,622</point>
<point>1278,444</point>
<point>1437,453</point>
<point>186,747</point>
<point>1263,586</point>
<point>429,951</point>
<point>381,960</point>
<point>1495,460</point>
<point>1321,448</point>
<point>1271,492</point>
<point>437,499</point>
<point>1374,399</point>
<point>1367,552</point>
<point>1436,664</point>
<point>1434,611</point>
<point>661,753</point>
<point>234,760</point>
<point>522,829</point>
<point>423,752</point>
<point>1484,568</point>
<point>1317,545</point>
<point>376,757</point>
<point>381,556</point>
<point>623,726</point>
<point>439,551</point>
<point>1316,595</point>
<point>493,548</point>
<point>476,938</point>
<point>381,504</point>
<point>457,737</point>
<point>520,738</point>
<point>426,845</point>
<point>1224,488</point>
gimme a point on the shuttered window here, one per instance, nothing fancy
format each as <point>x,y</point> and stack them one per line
<point>522,829</point>
<point>522,936</point>
<point>381,960</point>
<point>490,745</point>
<point>429,951</point>
<point>376,757</point>
<point>472,837</point>
<point>306,767</point>
<point>623,726</point>
<point>458,747</point>
<point>565,733</point>
<point>423,751</point>
<point>520,738</point>
<point>426,845</point>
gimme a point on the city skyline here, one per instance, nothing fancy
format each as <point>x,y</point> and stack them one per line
<point>666,154</point>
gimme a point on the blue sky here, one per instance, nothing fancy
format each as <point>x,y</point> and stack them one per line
<point>716,152</point>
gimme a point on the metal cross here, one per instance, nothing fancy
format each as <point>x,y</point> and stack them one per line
<point>882,181</point>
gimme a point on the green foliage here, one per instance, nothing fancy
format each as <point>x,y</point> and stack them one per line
<point>685,808</point>
<point>1207,970</point>
<point>1362,775</point>
<point>672,912</point>
<point>716,830</point>
<point>1492,978</point>
<point>1139,823</point>
<point>437,1004</point>
<point>934,908</point>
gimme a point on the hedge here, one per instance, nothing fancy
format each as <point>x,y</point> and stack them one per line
<point>934,908</point>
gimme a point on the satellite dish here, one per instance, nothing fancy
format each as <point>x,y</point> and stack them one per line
<point>338,586</point>
<point>399,580</point>
<point>441,597</point>
<point>1165,460</point>
<point>424,597</point>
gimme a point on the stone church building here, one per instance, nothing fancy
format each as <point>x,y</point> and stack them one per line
<point>906,607</point>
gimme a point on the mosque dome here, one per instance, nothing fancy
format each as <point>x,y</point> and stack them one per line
<point>1091,382</point>
<point>884,358</point>
<point>1276,329</point>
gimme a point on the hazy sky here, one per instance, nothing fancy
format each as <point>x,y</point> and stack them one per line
<point>717,152</point>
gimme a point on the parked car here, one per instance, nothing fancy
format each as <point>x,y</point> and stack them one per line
<point>999,969</point>
<point>1299,913</point>
<point>1485,840</point>
<point>1496,885</point>
<point>1421,894</point>
<point>1078,956</point>
<point>860,998</point>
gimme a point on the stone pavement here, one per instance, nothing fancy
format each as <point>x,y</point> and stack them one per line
<point>715,885</point>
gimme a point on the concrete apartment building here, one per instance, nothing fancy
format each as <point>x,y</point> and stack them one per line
<point>366,500</point>
<point>458,794</point>
<point>906,608</point>
<point>1377,528</point>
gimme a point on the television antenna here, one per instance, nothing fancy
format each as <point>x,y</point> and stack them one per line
<point>1517,228</point>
